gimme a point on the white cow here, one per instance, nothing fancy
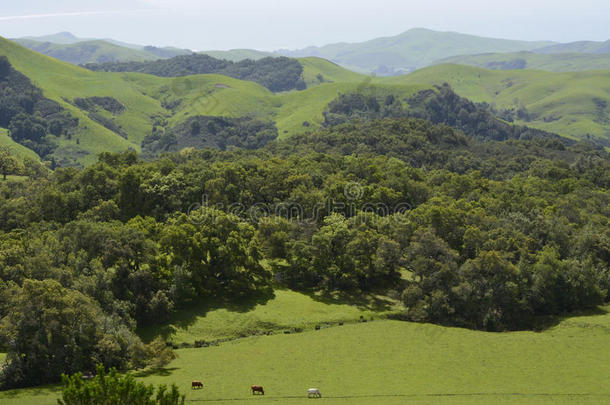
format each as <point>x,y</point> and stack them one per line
<point>314,392</point>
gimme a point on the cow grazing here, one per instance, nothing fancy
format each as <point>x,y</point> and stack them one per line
<point>196,385</point>
<point>314,393</point>
<point>257,388</point>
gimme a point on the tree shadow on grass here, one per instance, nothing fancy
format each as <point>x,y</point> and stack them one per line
<point>368,302</point>
<point>185,317</point>
<point>543,323</point>
<point>157,372</point>
<point>45,391</point>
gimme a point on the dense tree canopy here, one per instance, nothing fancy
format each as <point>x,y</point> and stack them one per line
<point>276,74</point>
<point>212,132</point>
<point>440,105</point>
<point>484,235</point>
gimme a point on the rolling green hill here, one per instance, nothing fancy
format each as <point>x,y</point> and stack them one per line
<point>62,82</point>
<point>571,104</point>
<point>410,50</point>
<point>142,96</point>
<point>391,362</point>
<point>554,62</point>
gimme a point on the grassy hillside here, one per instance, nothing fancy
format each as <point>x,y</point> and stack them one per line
<point>142,94</point>
<point>392,362</point>
<point>410,50</point>
<point>61,81</point>
<point>315,68</point>
<point>555,62</point>
<point>564,103</point>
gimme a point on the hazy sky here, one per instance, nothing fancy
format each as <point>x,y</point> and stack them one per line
<point>273,24</point>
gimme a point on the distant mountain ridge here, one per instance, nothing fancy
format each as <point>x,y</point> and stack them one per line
<point>67,38</point>
<point>591,47</point>
<point>552,62</point>
<point>411,50</point>
<point>386,56</point>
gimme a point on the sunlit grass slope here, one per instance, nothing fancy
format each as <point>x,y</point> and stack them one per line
<point>330,72</point>
<point>559,102</point>
<point>61,81</point>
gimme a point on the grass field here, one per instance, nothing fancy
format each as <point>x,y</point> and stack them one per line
<point>393,362</point>
<point>284,311</point>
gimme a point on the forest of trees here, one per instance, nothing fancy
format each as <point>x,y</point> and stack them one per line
<point>212,132</point>
<point>486,235</point>
<point>276,74</point>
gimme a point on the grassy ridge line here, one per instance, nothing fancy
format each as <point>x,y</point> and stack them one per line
<point>331,72</point>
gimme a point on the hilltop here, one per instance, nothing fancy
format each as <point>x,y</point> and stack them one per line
<point>410,50</point>
<point>69,48</point>
<point>97,51</point>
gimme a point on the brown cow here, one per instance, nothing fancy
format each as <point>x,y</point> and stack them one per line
<point>196,385</point>
<point>257,388</point>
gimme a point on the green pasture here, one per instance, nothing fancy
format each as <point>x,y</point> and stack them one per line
<point>393,362</point>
